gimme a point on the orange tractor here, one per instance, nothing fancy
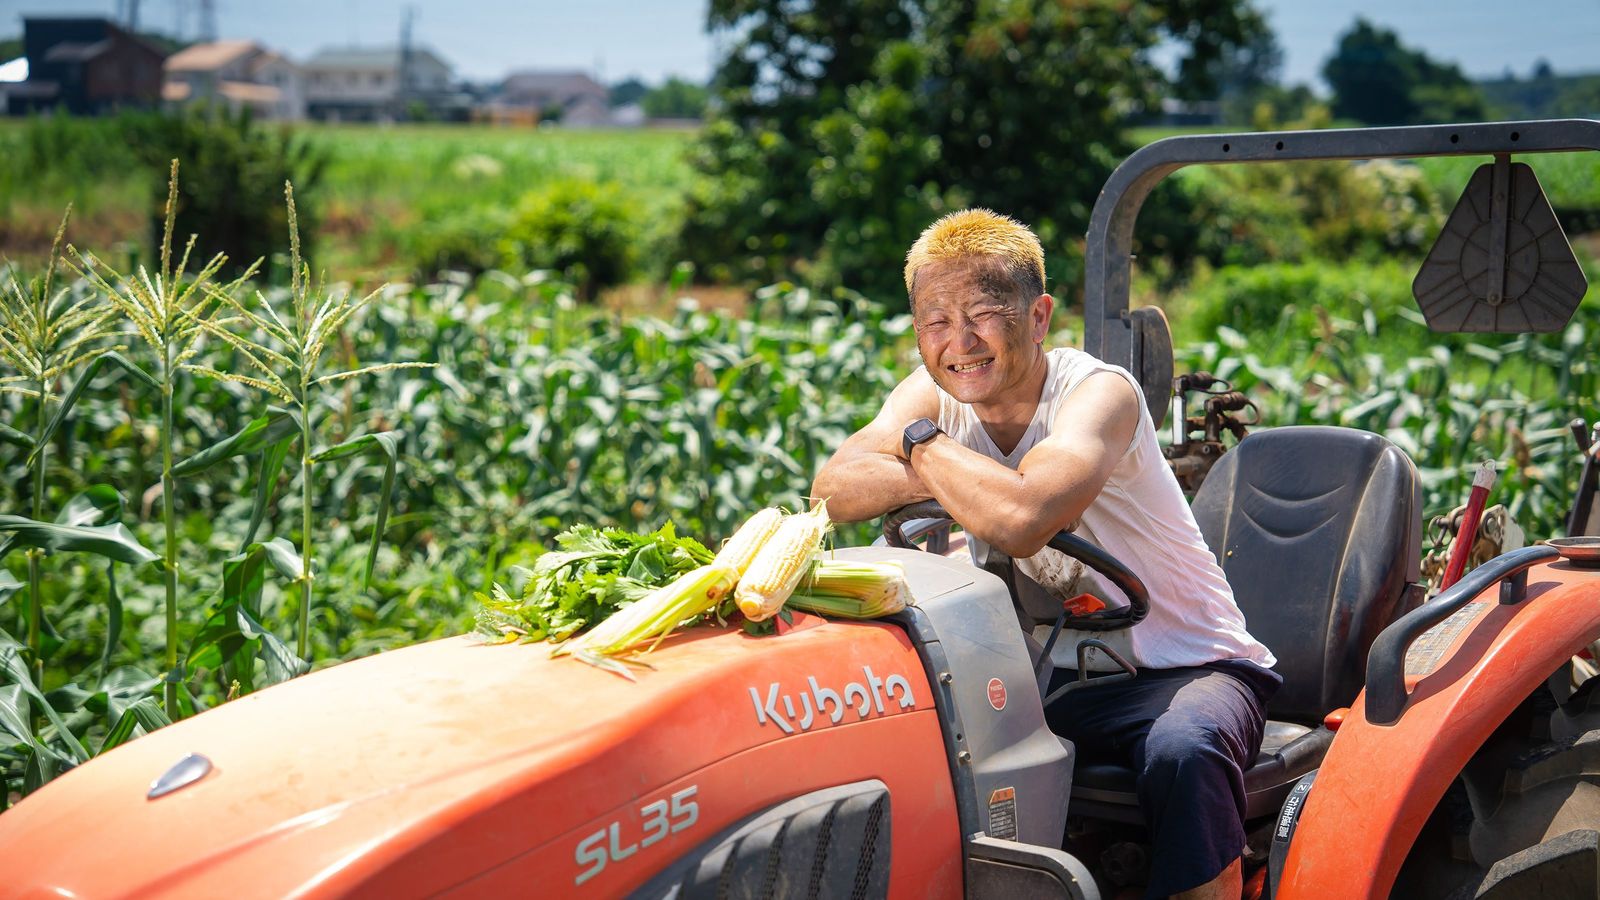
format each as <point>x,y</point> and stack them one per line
<point>1419,747</point>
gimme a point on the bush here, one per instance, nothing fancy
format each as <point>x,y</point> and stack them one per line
<point>582,229</point>
<point>1244,215</point>
<point>1277,301</point>
<point>233,176</point>
<point>462,241</point>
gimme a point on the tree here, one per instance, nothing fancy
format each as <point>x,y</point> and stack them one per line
<point>1379,81</point>
<point>675,99</point>
<point>1246,75</point>
<point>629,91</point>
<point>845,128</point>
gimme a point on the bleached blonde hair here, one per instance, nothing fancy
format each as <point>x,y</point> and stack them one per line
<point>981,232</point>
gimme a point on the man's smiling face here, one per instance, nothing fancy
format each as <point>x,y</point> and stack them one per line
<point>978,338</point>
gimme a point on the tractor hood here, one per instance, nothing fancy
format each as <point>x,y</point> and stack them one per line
<point>361,778</point>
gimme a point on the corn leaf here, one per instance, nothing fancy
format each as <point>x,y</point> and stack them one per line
<point>261,433</point>
<point>16,671</point>
<point>119,362</point>
<point>272,460</point>
<point>387,443</point>
<point>14,715</point>
<point>9,435</point>
<point>233,638</point>
<point>139,718</point>
<point>97,505</point>
<point>113,618</point>
<point>110,541</point>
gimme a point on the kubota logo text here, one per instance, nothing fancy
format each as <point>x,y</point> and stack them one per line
<point>799,711</point>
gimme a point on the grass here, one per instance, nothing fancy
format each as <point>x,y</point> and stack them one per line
<point>383,181</point>
<point>380,183</point>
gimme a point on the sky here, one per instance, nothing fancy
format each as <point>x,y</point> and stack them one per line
<point>651,39</point>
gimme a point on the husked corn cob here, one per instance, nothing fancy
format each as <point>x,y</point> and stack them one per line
<point>655,615</point>
<point>853,590</point>
<point>780,565</point>
<point>741,549</point>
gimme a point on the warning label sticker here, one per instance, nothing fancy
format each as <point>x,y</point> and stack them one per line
<point>1427,652</point>
<point>1003,814</point>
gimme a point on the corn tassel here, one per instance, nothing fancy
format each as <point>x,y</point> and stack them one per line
<point>780,565</point>
<point>741,549</point>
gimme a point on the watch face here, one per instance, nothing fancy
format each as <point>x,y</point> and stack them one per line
<point>921,430</point>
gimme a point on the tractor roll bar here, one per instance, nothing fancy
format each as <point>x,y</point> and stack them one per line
<point>1107,329</point>
<point>1386,661</point>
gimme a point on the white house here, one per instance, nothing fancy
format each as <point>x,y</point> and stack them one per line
<point>375,83</point>
<point>238,74</point>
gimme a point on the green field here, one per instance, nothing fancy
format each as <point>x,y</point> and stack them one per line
<point>381,182</point>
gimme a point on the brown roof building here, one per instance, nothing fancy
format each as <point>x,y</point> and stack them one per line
<point>238,75</point>
<point>85,66</point>
<point>569,98</point>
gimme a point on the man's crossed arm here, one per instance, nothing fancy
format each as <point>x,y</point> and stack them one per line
<point>1016,511</point>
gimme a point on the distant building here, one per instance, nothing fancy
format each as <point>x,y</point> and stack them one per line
<point>371,84</point>
<point>569,98</point>
<point>236,74</point>
<point>1186,113</point>
<point>12,72</point>
<point>85,66</point>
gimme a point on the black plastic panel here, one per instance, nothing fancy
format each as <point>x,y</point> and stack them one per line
<point>826,844</point>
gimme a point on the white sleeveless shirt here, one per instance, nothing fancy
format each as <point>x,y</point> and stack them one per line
<point>1141,518</point>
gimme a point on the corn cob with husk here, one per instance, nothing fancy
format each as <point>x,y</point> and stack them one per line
<point>853,590</point>
<point>781,563</point>
<point>741,549</point>
<point>650,619</point>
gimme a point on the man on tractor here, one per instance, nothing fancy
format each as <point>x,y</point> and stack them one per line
<point>1018,442</point>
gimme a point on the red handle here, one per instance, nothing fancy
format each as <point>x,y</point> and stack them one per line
<point>1481,483</point>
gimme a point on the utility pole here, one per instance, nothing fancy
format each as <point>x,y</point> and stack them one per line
<point>208,20</point>
<point>408,17</point>
<point>133,16</point>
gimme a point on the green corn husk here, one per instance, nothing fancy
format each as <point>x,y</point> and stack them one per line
<point>853,590</point>
<point>650,619</point>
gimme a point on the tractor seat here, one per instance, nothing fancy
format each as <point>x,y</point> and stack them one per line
<point>1319,531</point>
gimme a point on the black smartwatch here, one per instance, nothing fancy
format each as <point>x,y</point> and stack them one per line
<point>919,432</point>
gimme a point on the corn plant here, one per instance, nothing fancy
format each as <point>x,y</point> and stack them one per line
<point>287,363</point>
<point>45,336</point>
<point>169,312</point>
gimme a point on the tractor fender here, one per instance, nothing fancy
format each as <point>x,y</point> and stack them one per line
<point>1379,783</point>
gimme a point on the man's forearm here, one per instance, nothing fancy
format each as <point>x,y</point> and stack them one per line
<point>867,485</point>
<point>991,501</point>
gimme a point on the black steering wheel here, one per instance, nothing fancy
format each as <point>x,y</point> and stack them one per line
<point>1064,542</point>
<point>934,520</point>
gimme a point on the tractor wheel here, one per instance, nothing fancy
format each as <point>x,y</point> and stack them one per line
<point>1548,792</point>
<point>1523,811</point>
